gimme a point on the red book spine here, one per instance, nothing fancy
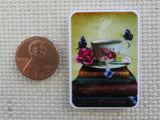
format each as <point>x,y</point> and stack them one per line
<point>106,90</point>
<point>85,73</point>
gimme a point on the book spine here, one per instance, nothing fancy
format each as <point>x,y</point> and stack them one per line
<point>87,74</point>
<point>105,90</point>
<point>124,74</point>
<point>103,101</point>
<point>105,80</point>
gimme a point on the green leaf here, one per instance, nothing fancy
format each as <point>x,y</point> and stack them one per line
<point>77,48</point>
<point>88,48</point>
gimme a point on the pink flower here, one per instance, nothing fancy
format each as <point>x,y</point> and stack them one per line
<point>105,58</point>
<point>111,55</point>
<point>106,50</point>
<point>100,55</point>
<point>85,56</point>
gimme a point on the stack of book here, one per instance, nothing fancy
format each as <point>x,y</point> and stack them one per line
<point>92,89</point>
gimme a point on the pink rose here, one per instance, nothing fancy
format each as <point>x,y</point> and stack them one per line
<point>111,55</point>
<point>85,56</point>
<point>106,50</point>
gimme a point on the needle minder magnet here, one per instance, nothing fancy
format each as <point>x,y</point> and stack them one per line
<point>104,59</point>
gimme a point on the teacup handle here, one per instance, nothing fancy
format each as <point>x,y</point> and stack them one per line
<point>123,43</point>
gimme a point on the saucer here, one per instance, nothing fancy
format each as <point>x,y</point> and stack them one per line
<point>126,61</point>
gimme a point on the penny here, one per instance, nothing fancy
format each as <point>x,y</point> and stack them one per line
<point>37,58</point>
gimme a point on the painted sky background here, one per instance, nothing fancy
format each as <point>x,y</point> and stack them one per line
<point>102,26</point>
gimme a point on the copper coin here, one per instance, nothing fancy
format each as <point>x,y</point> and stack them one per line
<point>37,58</point>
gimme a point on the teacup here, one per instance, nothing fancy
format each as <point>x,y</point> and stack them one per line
<point>107,51</point>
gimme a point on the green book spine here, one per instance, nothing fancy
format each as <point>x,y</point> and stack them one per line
<point>105,80</point>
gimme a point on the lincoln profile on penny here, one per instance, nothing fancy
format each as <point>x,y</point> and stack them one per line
<point>36,66</point>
